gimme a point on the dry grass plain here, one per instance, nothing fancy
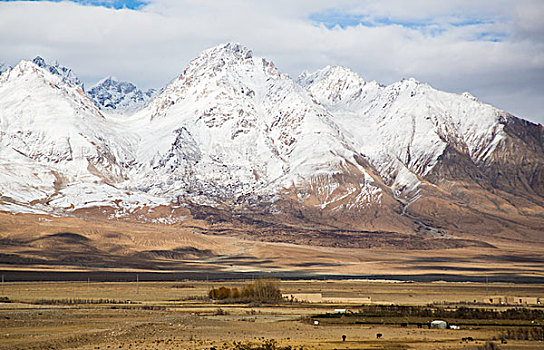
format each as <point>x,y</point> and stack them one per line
<point>173,315</point>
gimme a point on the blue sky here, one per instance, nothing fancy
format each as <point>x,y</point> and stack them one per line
<point>115,4</point>
<point>492,48</point>
<point>336,18</point>
<point>331,18</point>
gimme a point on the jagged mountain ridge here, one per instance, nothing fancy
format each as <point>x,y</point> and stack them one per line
<point>233,132</point>
<point>109,94</point>
<point>66,74</point>
<point>112,95</point>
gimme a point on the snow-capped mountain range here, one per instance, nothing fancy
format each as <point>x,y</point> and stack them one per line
<point>233,132</point>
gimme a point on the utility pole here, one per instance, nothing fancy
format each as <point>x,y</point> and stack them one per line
<point>2,284</point>
<point>137,284</point>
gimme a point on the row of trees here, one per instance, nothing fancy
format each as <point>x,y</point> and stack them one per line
<point>533,333</point>
<point>260,290</point>
<point>435,312</point>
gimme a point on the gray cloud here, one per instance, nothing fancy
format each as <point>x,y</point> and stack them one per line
<point>494,49</point>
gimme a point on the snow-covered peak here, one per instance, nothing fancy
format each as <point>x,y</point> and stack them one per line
<point>67,75</point>
<point>331,72</point>
<point>229,57</point>
<point>336,85</point>
<point>19,70</point>
<point>229,49</point>
<point>57,150</point>
<point>31,76</point>
<point>42,102</point>
<point>411,80</point>
<point>110,94</point>
<point>219,71</point>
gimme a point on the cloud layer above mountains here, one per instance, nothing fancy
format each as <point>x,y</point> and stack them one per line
<point>494,49</point>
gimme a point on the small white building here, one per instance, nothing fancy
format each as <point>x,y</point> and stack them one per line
<point>439,324</point>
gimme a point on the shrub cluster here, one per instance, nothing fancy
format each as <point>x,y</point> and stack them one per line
<point>268,344</point>
<point>489,346</point>
<point>524,333</point>
<point>261,290</point>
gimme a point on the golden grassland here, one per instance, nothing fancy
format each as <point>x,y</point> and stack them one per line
<point>177,315</point>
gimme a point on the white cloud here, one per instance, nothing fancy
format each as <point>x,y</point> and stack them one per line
<point>446,44</point>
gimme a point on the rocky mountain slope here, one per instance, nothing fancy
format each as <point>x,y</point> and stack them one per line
<point>235,140</point>
<point>112,95</point>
